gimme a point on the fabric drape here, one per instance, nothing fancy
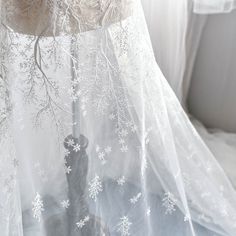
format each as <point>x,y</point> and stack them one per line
<point>93,140</point>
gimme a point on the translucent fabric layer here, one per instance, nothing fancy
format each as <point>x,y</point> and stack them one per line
<point>94,141</point>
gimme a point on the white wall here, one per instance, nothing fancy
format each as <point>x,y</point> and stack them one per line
<point>212,96</point>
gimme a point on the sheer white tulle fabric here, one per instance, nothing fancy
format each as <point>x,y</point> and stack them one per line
<point>213,6</point>
<point>221,143</point>
<point>93,140</point>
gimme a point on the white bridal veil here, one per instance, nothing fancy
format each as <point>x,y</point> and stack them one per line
<point>93,140</point>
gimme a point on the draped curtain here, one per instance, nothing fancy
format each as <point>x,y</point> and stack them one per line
<point>176,42</point>
<point>169,38</point>
<point>213,6</point>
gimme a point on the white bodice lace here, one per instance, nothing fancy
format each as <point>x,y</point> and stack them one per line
<point>50,17</point>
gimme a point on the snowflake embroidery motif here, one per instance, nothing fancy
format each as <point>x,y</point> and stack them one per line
<point>37,207</point>
<point>121,181</point>
<point>66,152</point>
<point>95,187</point>
<point>70,142</point>
<point>134,128</point>
<point>135,199</point>
<point>82,222</point>
<point>103,154</point>
<point>65,203</point>
<point>68,169</point>
<point>123,133</point>
<point>122,141</point>
<point>124,148</point>
<point>76,148</point>
<point>124,226</point>
<point>169,202</point>
<point>187,217</point>
<point>108,149</point>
